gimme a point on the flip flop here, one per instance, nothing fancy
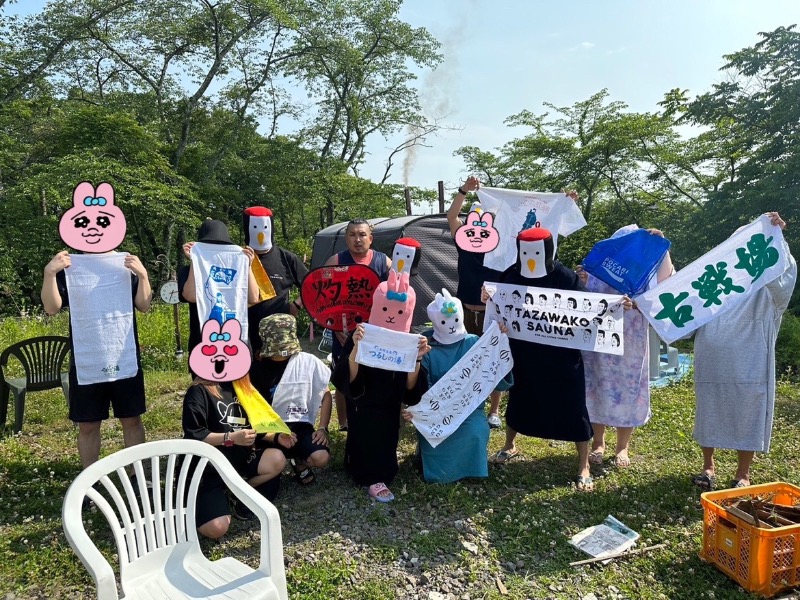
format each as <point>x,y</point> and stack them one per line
<point>501,457</point>
<point>596,457</point>
<point>377,488</point>
<point>584,484</point>
<point>704,481</point>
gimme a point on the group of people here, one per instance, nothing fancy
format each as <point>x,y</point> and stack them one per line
<point>553,392</point>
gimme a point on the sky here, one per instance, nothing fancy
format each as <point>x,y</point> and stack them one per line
<point>505,56</point>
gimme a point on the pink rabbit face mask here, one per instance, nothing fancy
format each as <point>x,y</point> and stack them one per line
<point>393,303</point>
<point>94,223</point>
<point>478,233</point>
<point>221,354</point>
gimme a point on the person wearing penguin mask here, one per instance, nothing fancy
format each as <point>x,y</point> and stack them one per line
<point>548,399</point>
<point>284,269</point>
<point>406,255</point>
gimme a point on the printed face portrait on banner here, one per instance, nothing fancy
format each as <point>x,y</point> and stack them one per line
<point>94,223</point>
<point>478,233</point>
<point>221,355</point>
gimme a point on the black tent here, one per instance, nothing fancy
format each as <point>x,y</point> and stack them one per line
<point>437,267</point>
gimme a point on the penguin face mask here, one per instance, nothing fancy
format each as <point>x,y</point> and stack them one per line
<point>257,225</point>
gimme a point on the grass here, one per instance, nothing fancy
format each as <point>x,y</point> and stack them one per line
<point>519,519</point>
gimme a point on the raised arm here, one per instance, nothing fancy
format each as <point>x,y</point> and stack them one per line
<point>470,185</point>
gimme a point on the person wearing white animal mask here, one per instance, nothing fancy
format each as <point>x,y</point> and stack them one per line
<point>463,453</point>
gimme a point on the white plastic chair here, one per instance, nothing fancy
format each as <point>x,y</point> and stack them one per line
<point>156,537</point>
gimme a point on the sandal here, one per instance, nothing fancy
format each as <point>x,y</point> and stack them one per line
<point>584,484</point>
<point>304,474</point>
<point>739,483</point>
<point>501,457</point>
<point>596,457</point>
<point>622,462</point>
<point>704,481</point>
<point>376,488</point>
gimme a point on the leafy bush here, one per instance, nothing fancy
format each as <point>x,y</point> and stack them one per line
<point>156,333</point>
<point>787,350</point>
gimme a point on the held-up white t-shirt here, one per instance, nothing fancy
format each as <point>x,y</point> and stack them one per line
<point>515,210</point>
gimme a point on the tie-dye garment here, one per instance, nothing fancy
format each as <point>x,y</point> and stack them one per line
<point>618,387</point>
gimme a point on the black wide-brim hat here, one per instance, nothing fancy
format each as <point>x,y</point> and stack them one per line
<point>213,232</point>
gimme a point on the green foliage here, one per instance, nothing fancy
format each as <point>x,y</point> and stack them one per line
<point>787,349</point>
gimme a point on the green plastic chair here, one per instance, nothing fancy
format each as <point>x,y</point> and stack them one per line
<point>42,359</point>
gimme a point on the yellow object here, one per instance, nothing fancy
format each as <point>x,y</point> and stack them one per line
<point>761,560</point>
<point>265,289</point>
<point>260,414</point>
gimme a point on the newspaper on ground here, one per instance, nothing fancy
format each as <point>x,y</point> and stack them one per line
<point>609,538</point>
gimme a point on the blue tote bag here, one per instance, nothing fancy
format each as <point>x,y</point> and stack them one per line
<point>627,262</point>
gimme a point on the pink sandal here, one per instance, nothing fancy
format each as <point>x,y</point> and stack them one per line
<point>376,488</point>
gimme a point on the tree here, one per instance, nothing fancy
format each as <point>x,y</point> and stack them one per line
<point>357,69</point>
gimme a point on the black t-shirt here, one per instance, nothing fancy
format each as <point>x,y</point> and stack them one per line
<point>471,275</point>
<point>285,271</point>
<point>204,414</point>
<point>61,283</point>
<point>266,374</point>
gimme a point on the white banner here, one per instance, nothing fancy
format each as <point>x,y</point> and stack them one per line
<point>566,318</point>
<point>453,398</point>
<point>386,349</point>
<point>716,282</point>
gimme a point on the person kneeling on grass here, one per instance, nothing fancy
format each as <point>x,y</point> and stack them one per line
<point>463,454</point>
<point>213,414</point>
<point>295,383</point>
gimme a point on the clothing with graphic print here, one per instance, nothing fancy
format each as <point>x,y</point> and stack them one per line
<point>516,210</point>
<point>618,386</point>
<point>285,270</point>
<point>203,414</point>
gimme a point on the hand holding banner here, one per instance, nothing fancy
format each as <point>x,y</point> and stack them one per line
<point>446,405</point>
<point>386,349</point>
<point>566,318</point>
<point>717,281</point>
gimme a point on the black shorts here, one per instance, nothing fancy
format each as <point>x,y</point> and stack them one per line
<point>212,495</point>
<point>89,403</point>
<point>304,447</point>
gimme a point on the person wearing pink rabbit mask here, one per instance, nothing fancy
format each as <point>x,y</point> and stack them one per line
<point>373,396</point>
<point>472,274</point>
<point>95,225</point>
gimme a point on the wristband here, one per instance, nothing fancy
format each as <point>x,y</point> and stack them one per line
<point>461,191</point>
